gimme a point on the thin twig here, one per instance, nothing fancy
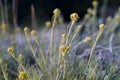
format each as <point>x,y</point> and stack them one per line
<point>110,41</point>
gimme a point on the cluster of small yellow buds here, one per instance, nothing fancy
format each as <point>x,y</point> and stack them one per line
<point>48,24</point>
<point>3,26</point>
<point>95,3</point>
<point>109,19</point>
<point>33,32</point>
<point>88,40</point>
<point>64,49</point>
<point>117,17</point>
<point>26,29</point>
<point>20,58</point>
<point>64,36</point>
<point>74,17</point>
<point>56,12</point>
<point>101,27</point>
<point>10,50</point>
<point>23,75</point>
<point>89,10</point>
<point>78,28</point>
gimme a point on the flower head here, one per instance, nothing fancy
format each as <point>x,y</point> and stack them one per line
<point>109,19</point>
<point>20,58</point>
<point>26,29</point>
<point>64,49</point>
<point>64,36</point>
<point>74,17</point>
<point>10,50</point>
<point>101,27</point>
<point>89,10</point>
<point>33,32</point>
<point>56,12</point>
<point>117,17</point>
<point>88,40</point>
<point>95,3</point>
<point>3,26</point>
<point>48,24</point>
<point>23,76</point>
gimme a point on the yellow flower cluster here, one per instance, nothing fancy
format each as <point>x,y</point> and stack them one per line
<point>3,26</point>
<point>95,3</point>
<point>33,32</point>
<point>88,40</point>
<point>64,36</point>
<point>48,24</point>
<point>56,12</point>
<point>117,17</point>
<point>23,76</point>
<point>10,50</point>
<point>101,27</point>
<point>26,29</point>
<point>74,17</point>
<point>20,58</point>
<point>64,49</point>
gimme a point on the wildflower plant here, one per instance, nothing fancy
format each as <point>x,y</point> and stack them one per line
<point>40,60</point>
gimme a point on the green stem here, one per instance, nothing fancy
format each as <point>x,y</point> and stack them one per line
<point>98,36</point>
<point>69,32</point>
<point>4,73</point>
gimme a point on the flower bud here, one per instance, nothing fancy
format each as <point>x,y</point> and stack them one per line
<point>33,32</point>
<point>56,12</point>
<point>26,29</point>
<point>101,27</point>
<point>74,17</point>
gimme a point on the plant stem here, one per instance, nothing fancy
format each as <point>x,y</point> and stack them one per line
<point>93,47</point>
<point>69,32</point>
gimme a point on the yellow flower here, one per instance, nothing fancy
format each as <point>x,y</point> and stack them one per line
<point>95,3</point>
<point>74,17</point>
<point>33,32</point>
<point>56,12</point>
<point>26,29</point>
<point>88,40</point>
<point>48,24</point>
<point>10,50</point>
<point>20,58</point>
<point>3,26</point>
<point>109,19</point>
<point>23,75</point>
<point>64,49</point>
<point>89,10</point>
<point>117,17</point>
<point>64,36</point>
<point>101,27</point>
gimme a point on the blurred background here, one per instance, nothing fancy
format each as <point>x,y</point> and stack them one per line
<point>20,10</point>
